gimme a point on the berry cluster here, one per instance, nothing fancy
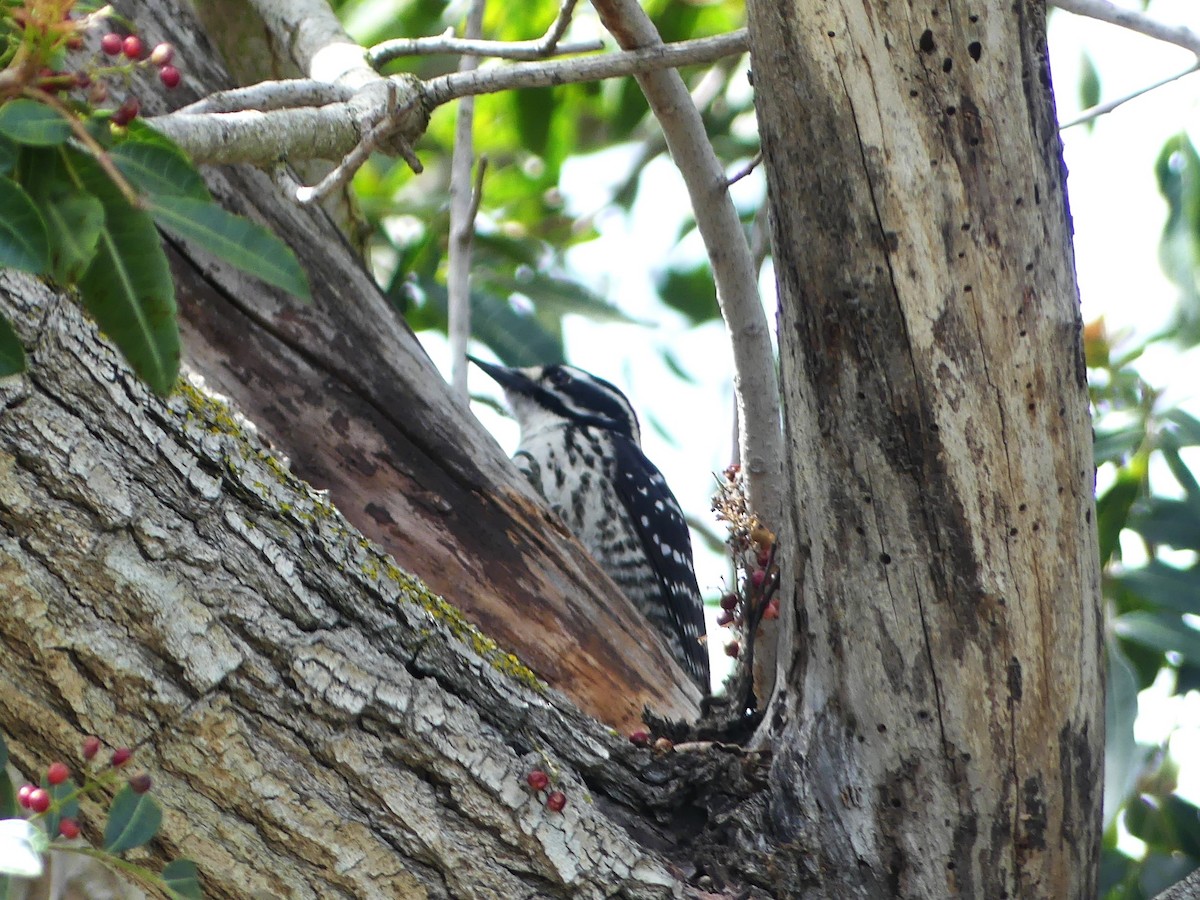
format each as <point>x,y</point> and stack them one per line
<point>556,801</point>
<point>132,48</point>
<point>641,738</point>
<point>45,799</point>
<point>753,550</point>
<point>52,38</point>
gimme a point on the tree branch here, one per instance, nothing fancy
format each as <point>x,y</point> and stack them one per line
<point>332,130</point>
<point>1133,20</point>
<point>462,217</point>
<point>755,382</point>
<point>1103,109</point>
<point>546,45</point>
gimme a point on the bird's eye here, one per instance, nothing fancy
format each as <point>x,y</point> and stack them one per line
<point>559,377</point>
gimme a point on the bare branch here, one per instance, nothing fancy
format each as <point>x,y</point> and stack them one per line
<point>755,381</point>
<point>267,95</point>
<point>332,130</point>
<point>593,68</point>
<point>546,45</point>
<point>462,218</point>
<point>1101,109</point>
<point>1132,20</point>
<point>744,171</point>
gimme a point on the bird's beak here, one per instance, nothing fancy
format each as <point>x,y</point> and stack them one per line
<point>512,380</point>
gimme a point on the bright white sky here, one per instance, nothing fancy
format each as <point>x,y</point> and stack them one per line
<point>1118,216</point>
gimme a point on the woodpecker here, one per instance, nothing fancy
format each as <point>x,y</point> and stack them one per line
<point>580,447</point>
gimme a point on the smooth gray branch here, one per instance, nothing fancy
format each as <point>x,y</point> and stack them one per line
<point>546,45</point>
<point>1133,20</point>
<point>1101,109</point>
<point>267,95</point>
<point>592,68</point>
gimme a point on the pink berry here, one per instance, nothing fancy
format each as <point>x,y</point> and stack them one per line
<point>121,756</point>
<point>132,47</point>
<point>169,76</point>
<point>23,794</point>
<point>725,618</point>
<point>57,773</point>
<point>111,44</point>
<point>140,783</point>
<point>162,54</point>
<point>68,828</point>
<point>764,558</point>
<point>39,800</point>
<point>538,779</point>
<point>732,649</point>
<point>556,801</point>
<point>640,739</point>
<point>91,746</point>
<point>772,610</point>
<point>757,577</point>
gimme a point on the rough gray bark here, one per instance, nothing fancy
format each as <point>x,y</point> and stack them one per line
<point>941,730</point>
<point>317,723</point>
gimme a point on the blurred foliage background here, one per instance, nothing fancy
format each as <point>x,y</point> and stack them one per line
<point>525,287</point>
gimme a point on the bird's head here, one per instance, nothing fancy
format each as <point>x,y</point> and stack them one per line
<point>542,396</point>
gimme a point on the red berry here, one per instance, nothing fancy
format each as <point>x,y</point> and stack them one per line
<point>121,756</point>
<point>733,648</point>
<point>169,76</point>
<point>127,111</point>
<point>132,47</point>
<point>730,601</point>
<point>57,773</point>
<point>162,54</point>
<point>68,828</point>
<point>23,794</point>
<point>140,783</point>
<point>640,739</point>
<point>772,610</point>
<point>111,44</point>
<point>91,746</point>
<point>538,779</point>
<point>725,618</point>
<point>556,801</point>
<point>39,800</point>
<point>757,577</point>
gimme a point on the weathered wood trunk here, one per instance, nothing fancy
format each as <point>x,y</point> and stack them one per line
<point>941,730</point>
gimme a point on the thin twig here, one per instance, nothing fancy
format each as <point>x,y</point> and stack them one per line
<point>1102,109</point>
<point>546,45</point>
<point>462,219</point>
<point>593,68</point>
<point>745,170</point>
<point>272,95</point>
<point>361,152</point>
<point>1132,20</point>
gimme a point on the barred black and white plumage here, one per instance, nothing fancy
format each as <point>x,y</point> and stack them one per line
<point>581,448</point>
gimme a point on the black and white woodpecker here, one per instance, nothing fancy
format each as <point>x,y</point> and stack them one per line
<point>580,446</point>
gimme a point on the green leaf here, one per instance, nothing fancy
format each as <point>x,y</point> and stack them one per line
<point>75,222</point>
<point>8,155</point>
<point>133,819</point>
<point>1089,84</point>
<point>692,292</point>
<point>1160,631</point>
<point>127,286</point>
<point>30,122</point>
<point>1122,760</point>
<point>24,243</point>
<point>159,170</point>
<point>12,362</point>
<point>1112,511</point>
<point>1164,586</point>
<point>181,879</point>
<point>238,241</point>
<point>1172,522</point>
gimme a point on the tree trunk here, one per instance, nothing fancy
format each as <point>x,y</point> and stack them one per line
<point>941,732</point>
